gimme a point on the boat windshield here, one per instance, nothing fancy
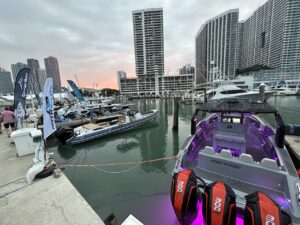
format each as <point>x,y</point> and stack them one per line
<point>227,92</point>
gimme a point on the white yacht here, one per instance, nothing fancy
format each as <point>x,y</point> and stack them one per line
<point>285,91</point>
<point>232,91</point>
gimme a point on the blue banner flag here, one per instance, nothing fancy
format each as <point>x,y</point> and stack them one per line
<point>20,92</point>
<point>76,90</point>
<point>49,125</point>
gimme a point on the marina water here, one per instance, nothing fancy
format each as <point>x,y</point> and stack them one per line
<point>140,189</point>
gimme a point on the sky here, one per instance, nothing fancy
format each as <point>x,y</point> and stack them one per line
<point>93,39</point>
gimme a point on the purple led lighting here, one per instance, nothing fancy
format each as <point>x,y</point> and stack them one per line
<point>169,214</point>
<point>234,152</point>
<point>181,169</point>
<point>283,202</point>
<point>239,220</point>
<point>200,220</point>
<point>268,131</point>
<point>202,124</point>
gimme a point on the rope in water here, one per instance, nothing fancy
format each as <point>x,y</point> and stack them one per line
<point>120,163</point>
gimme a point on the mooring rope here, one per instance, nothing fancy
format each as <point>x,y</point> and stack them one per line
<point>120,163</point>
<point>116,172</point>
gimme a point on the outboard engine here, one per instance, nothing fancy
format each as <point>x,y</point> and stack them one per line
<point>64,134</point>
<point>219,207</point>
<point>260,209</point>
<point>184,196</point>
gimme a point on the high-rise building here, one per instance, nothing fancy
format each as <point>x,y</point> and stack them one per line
<point>290,55</point>
<point>271,36</point>
<point>34,83</point>
<point>239,45</point>
<point>52,70</point>
<point>6,85</point>
<point>148,41</point>
<point>187,69</point>
<point>15,68</point>
<point>216,47</point>
<point>42,77</point>
<point>121,75</point>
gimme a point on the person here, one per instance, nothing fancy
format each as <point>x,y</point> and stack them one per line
<point>8,120</point>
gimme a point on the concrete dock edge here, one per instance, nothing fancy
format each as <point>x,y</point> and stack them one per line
<point>45,201</point>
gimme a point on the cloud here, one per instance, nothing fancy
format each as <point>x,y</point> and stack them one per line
<point>94,39</point>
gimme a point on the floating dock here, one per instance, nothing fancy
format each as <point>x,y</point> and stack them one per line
<point>45,201</point>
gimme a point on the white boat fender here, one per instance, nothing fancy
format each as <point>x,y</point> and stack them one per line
<point>38,164</point>
<point>57,172</point>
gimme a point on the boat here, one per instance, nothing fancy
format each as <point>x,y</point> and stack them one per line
<point>104,126</point>
<point>284,91</point>
<point>190,96</point>
<point>233,144</point>
<point>232,91</point>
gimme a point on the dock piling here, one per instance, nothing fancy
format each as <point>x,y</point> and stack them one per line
<point>205,96</point>
<point>175,115</point>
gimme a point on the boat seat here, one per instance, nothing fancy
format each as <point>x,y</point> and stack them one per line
<point>226,153</point>
<point>121,119</point>
<point>103,124</point>
<point>270,164</point>
<point>230,136</point>
<point>91,126</point>
<point>208,150</point>
<point>246,158</point>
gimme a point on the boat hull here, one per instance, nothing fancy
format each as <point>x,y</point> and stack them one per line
<point>254,96</point>
<point>112,130</point>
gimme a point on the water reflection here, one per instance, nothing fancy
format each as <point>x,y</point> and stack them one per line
<point>154,141</point>
<point>127,144</point>
<point>144,191</point>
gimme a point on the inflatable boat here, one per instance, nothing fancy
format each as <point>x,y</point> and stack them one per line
<point>103,127</point>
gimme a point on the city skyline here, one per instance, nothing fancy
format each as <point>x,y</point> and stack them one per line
<point>67,31</point>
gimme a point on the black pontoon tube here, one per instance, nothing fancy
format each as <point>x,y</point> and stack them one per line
<point>280,131</point>
<point>194,122</point>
